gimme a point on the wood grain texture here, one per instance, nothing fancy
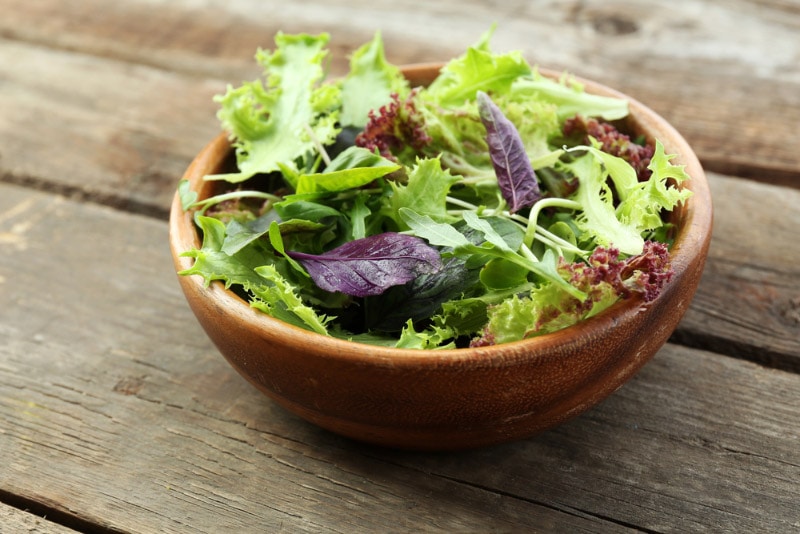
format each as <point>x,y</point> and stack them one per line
<point>132,83</point>
<point>146,428</point>
<point>115,133</point>
<point>118,415</point>
<point>748,302</point>
<point>15,521</point>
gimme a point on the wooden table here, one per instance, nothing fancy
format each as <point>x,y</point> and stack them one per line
<point>118,415</point>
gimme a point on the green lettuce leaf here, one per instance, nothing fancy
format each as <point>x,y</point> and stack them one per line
<point>479,69</point>
<point>435,337</point>
<point>286,120</point>
<point>570,97</point>
<point>426,192</point>
<point>369,84</point>
<point>643,203</point>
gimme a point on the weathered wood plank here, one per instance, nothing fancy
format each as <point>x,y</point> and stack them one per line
<point>116,133</point>
<point>13,520</point>
<point>672,451</point>
<point>105,373</point>
<point>748,302</point>
<point>134,159</point>
<point>725,74</point>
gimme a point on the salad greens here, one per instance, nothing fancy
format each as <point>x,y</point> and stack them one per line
<point>493,205</point>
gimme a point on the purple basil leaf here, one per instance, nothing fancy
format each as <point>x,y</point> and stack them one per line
<point>371,265</point>
<point>510,161</point>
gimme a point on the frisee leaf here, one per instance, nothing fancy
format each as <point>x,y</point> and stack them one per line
<point>597,219</point>
<point>515,175</point>
<point>277,297</point>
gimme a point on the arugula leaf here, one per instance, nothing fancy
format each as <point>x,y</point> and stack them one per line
<point>515,175</point>
<point>358,214</point>
<point>282,122</point>
<point>437,234</point>
<point>369,84</point>
<point>213,264</point>
<point>488,231</point>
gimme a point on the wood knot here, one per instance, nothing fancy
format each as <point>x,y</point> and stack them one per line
<point>790,311</point>
<point>130,385</point>
<point>614,25</point>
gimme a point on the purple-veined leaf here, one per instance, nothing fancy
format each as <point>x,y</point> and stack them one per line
<point>515,176</point>
<point>369,266</point>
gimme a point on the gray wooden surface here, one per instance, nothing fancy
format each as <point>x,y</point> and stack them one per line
<point>118,415</point>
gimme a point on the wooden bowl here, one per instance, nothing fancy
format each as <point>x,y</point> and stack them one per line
<point>459,398</point>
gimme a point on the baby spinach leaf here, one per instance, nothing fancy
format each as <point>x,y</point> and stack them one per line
<point>353,168</point>
<point>305,209</point>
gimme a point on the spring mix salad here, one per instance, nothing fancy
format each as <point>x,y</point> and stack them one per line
<point>493,205</point>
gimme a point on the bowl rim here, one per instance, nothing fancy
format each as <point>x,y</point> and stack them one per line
<point>691,242</point>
